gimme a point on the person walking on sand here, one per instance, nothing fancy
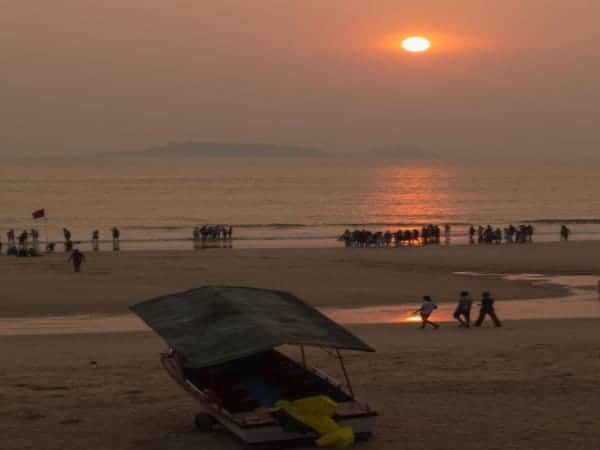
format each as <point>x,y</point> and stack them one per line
<point>426,310</point>
<point>463,309</point>
<point>487,308</point>
<point>77,258</point>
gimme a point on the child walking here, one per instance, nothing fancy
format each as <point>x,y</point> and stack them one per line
<point>426,310</point>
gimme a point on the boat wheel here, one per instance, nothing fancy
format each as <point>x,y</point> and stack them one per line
<point>204,422</point>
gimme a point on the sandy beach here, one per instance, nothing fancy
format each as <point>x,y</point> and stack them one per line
<point>529,385</point>
<point>323,277</point>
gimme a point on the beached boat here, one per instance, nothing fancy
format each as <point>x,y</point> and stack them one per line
<point>224,350</point>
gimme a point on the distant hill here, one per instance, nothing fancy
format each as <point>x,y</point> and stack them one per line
<point>225,150</point>
<point>401,152</point>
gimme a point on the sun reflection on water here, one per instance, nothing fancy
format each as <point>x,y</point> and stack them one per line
<point>414,194</point>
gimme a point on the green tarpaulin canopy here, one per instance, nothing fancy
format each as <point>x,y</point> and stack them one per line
<point>215,324</point>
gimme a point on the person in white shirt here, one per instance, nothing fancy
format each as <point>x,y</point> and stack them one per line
<point>426,310</point>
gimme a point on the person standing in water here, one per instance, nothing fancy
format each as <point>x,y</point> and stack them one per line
<point>564,233</point>
<point>77,258</point>
<point>426,310</point>
<point>487,308</point>
<point>96,240</point>
<point>463,309</point>
<point>116,238</point>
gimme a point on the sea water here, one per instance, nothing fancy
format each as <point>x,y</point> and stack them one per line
<point>292,202</point>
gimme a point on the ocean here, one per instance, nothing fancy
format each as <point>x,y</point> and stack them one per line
<point>292,203</point>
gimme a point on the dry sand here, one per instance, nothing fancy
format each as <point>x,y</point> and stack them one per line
<point>529,385</point>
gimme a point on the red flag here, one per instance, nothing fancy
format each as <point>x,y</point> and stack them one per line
<point>39,213</point>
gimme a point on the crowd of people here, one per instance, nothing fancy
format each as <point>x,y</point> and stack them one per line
<point>210,236</point>
<point>462,313</point>
<point>27,243</point>
<point>511,234</point>
<point>430,234</point>
<point>212,233</point>
<point>434,234</point>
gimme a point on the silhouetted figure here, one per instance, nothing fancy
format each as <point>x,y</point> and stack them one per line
<point>68,243</point>
<point>564,233</point>
<point>116,238</point>
<point>426,310</point>
<point>10,235</point>
<point>77,258</point>
<point>463,309</point>
<point>96,240</point>
<point>487,308</point>
<point>472,232</point>
<point>23,237</point>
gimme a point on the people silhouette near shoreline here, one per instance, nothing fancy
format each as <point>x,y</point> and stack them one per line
<point>116,238</point>
<point>96,240</point>
<point>77,258</point>
<point>487,309</point>
<point>68,242</point>
<point>564,233</point>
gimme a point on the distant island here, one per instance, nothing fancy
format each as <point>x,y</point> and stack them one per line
<point>223,150</point>
<point>411,153</point>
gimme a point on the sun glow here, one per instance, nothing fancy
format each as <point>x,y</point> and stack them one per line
<point>413,318</point>
<point>416,44</point>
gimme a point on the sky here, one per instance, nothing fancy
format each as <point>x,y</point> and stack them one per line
<point>504,78</point>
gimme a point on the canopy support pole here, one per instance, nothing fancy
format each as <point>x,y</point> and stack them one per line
<point>303,356</point>
<point>339,355</point>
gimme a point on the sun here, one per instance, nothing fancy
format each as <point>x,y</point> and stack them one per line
<point>416,44</point>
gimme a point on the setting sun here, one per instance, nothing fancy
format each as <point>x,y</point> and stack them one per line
<point>416,44</point>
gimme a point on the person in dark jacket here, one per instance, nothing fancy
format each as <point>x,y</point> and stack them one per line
<point>487,308</point>
<point>77,258</point>
<point>463,309</point>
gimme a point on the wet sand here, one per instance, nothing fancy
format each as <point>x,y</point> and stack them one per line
<point>582,302</point>
<point>528,385</point>
<point>324,277</point>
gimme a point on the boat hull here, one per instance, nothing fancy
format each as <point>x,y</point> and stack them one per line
<point>257,428</point>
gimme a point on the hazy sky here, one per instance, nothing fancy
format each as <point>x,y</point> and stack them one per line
<point>83,76</point>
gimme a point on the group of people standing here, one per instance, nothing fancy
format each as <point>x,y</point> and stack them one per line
<point>212,233</point>
<point>434,234</point>
<point>462,313</point>
<point>511,234</point>
<point>116,239</point>
<point>27,243</point>
<point>429,234</point>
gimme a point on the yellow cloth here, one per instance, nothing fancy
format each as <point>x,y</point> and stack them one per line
<point>316,413</point>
